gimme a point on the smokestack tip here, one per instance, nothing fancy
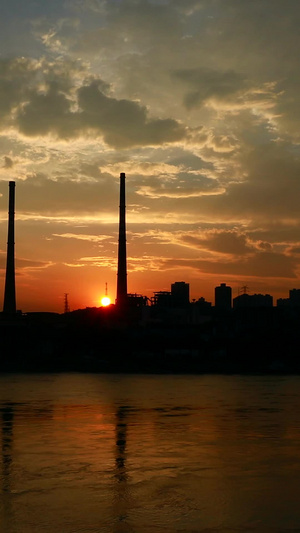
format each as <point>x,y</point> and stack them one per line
<point>12,183</point>
<point>122,175</point>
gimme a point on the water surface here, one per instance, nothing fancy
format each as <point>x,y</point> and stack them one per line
<point>115,453</point>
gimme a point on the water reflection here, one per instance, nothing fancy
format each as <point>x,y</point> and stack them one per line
<point>139,453</point>
<point>7,421</point>
<point>121,434</point>
<point>122,494</point>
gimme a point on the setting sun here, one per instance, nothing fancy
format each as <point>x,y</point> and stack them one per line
<point>105,301</point>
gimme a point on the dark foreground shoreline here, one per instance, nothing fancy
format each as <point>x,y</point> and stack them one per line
<point>91,341</point>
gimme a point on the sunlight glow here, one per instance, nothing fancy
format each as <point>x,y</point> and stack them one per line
<point>105,301</point>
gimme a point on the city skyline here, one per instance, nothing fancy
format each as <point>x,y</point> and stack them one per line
<point>179,292</point>
<point>196,101</point>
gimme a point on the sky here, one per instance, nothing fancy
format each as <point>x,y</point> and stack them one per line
<point>197,101</point>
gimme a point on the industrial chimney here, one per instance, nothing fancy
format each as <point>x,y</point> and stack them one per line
<point>122,261</point>
<point>9,306</point>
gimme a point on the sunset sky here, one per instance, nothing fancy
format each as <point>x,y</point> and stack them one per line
<point>197,101</point>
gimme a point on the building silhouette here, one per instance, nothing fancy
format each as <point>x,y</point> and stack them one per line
<point>162,299</point>
<point>202,305</point>
<point>9,306</point>
<point>180,293</point>
<point>252,301</point>
<point>121,300</point>
<point>294,297</point>
<point>223,296</point>
<point>292,302</point>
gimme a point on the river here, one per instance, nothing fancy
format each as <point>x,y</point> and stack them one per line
<point>96,453</point>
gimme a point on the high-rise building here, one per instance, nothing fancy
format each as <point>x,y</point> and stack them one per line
<point>223,296</point>
<point>180,292</point>
<point>295,297</point>
<point>121,300</point>
<point>9,306</point>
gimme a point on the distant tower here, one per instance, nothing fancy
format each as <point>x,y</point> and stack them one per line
<point>9,306</point>
<point>122,260</point>
<point>66,303</point>
<point>223,296</point>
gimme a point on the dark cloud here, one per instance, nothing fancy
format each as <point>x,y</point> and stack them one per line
<point>47,113</point>
<point>15,76</point>
<point>225,242</point>
<point>261,265</point>
<point>8,162</point>
<point>294,250</point>
<point>261,245</point>
<point>24,79</point>
<point>209,83</point>
<point>122,123</point>
<point>48,102</point>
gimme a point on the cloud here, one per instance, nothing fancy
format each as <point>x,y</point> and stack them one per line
<point>40,99</point>
<point>97,261</point>
<point>42,196</point>
<point>83,237</point>
<point>8,162</point>
<point>216,243</point>
<point>25,264</point>
<point>293,250</point>
<point>261,265</point>
<point>184,185</point>
<point>15,75</point>
<point>209,83</point>
<point>272,184</point>
<point>224,242</point>
<point>141,168</point>
<point>124,123</point>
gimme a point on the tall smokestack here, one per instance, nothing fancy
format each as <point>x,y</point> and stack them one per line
<point>9,306</point>
<point>122,261</point>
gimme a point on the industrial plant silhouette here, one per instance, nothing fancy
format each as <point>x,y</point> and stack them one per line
<point>167,333</point>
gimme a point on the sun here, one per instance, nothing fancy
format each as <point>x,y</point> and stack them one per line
<point>105,301</point>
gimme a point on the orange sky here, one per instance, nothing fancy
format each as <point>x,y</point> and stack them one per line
<point>196,101</point>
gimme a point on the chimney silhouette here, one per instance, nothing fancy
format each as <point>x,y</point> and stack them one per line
<point>122,260</point>
<point>9,306</point>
